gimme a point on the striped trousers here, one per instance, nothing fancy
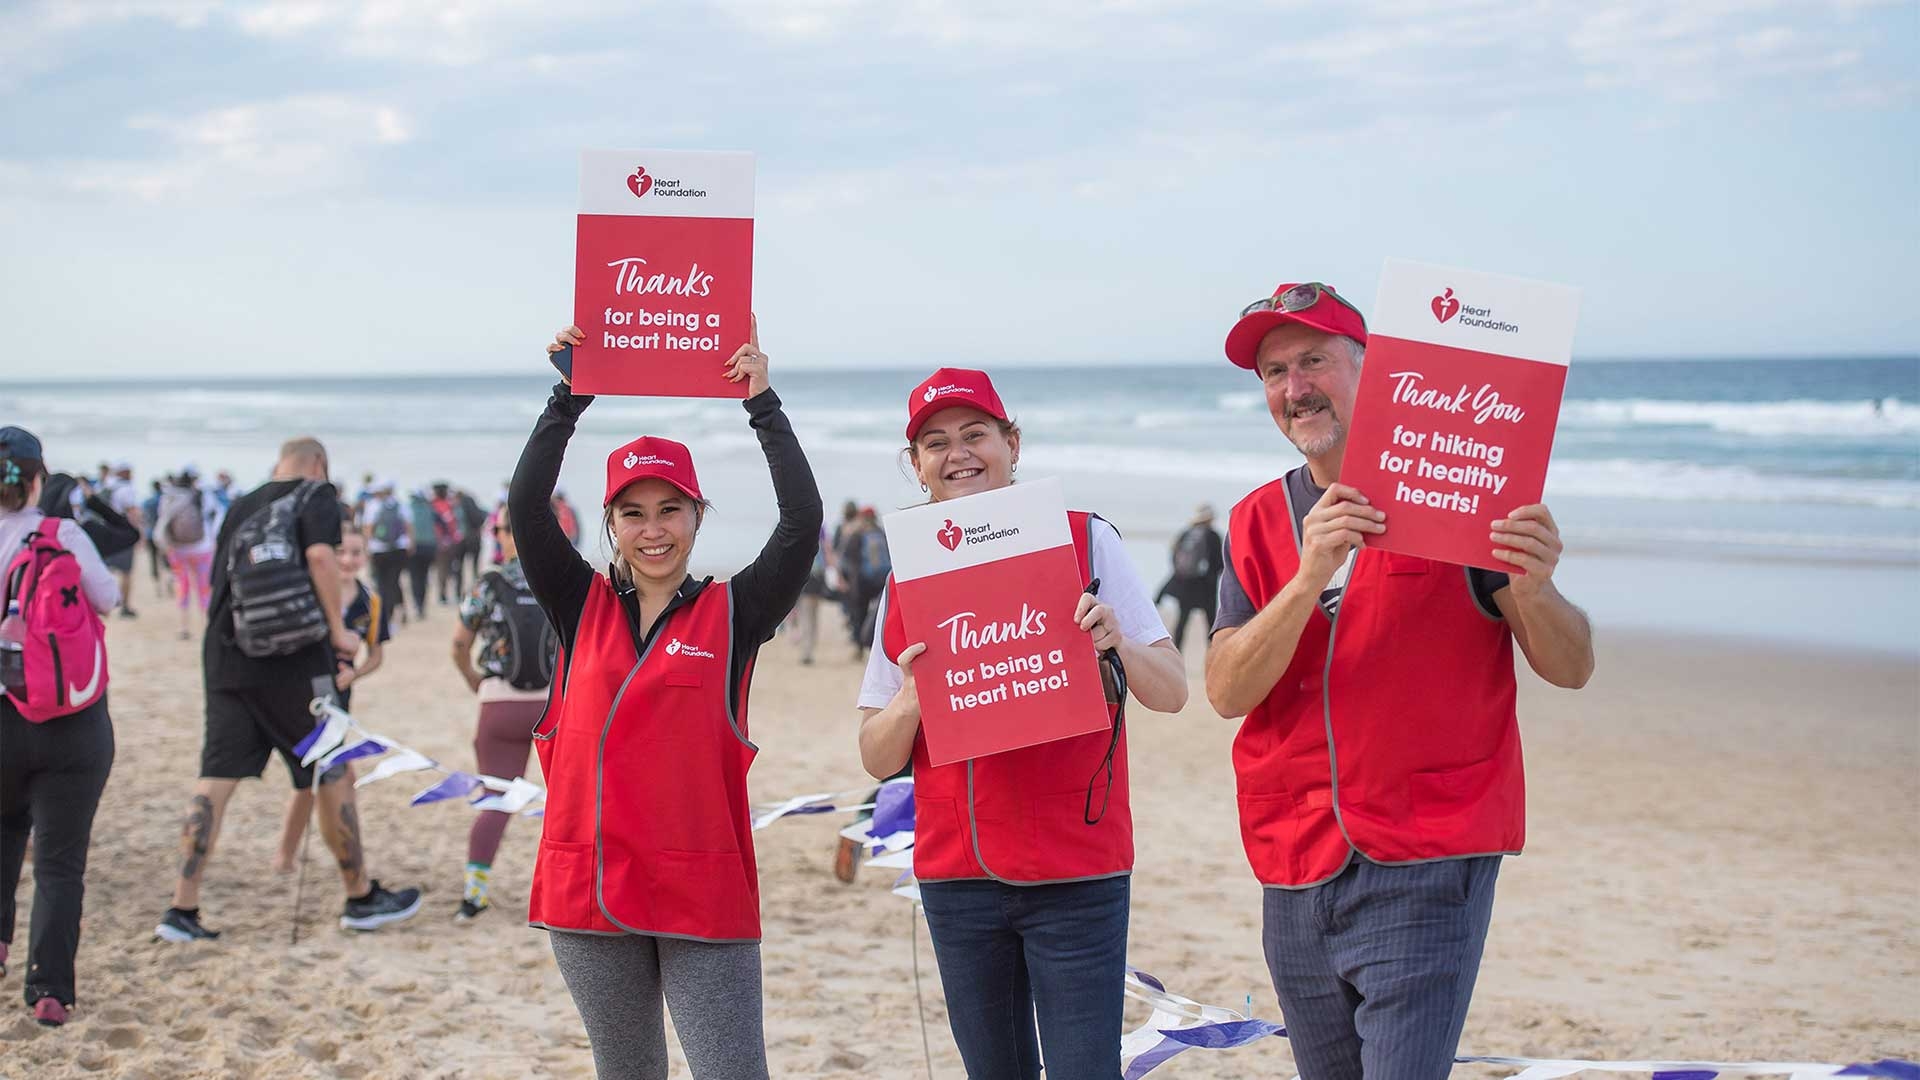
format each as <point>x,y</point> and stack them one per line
<point>1374,969</point>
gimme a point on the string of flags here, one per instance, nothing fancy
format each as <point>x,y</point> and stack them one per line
<point>338,739</point>
<point>1179,1024</point>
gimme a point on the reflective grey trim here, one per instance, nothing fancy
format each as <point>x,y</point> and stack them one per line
<point>727,679</point>
<point>599,786</point>
<point>1293,519</point>
<point>1027,884</point>
<point>1474,595</point>
<point>560,683</point>
<point>1326,708</point>
<point>647,933</point>
<point>570,930</point>
<point>1351,852</point>
<point>1344,863</point>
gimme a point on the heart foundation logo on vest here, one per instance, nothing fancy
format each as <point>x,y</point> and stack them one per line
<point>639,183</point>
<point>1445,306</point>
<point>676,647</point>
<point>950,536</point>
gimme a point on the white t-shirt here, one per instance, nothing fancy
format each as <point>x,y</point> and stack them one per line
<point>120,495</point>
<point>1120,589</point>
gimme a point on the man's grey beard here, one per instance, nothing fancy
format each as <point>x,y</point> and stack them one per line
<point>1324,443</point>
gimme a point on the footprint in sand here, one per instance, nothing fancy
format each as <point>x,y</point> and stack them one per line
<point>317,1050</point>
<point>190,1034</point>
<point>119,1038</point>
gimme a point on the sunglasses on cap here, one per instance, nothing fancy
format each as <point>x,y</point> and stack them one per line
<point>1301,297</point>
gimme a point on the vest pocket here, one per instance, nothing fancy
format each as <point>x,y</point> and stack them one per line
<point>1268,821</point>
<point>708,890</point>
<point>1407,564</point>
<point>1456,792</point>
<point>562,887</point>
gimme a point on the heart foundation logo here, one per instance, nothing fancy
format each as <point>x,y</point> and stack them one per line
<point>630,460</point>
<point>673,647</point>
<point>1445,306</point>
<point>950,536</point>
<point>639,183</point>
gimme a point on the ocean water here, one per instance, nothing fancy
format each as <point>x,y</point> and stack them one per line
<point>1682,486</point>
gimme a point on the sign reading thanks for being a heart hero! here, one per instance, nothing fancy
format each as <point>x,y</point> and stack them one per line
<point>989,583</point>
<point>1454,416</point>
<point>663,271</point>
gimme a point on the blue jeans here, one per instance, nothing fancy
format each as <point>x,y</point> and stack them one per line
<point>1375,968</point>
<point>1012,953</point>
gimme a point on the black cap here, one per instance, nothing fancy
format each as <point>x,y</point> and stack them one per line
<point>19,443</point>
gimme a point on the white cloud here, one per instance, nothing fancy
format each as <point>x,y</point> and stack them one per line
<point>298,145</point>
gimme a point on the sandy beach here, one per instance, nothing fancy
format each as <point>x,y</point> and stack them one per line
<point>1722,864</point>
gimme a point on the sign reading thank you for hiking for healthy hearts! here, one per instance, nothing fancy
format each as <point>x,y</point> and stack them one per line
<point>990,583</point>
<point>1454,416</point>
<point>663,271</point>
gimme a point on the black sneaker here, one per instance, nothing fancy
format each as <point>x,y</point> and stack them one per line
<point>180,927</point>
<point>470,911</point>
<point>379,907</point>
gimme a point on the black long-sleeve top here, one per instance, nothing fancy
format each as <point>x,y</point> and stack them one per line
<point>763,593</point>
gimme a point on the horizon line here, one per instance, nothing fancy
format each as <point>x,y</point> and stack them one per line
<point>504,373</point>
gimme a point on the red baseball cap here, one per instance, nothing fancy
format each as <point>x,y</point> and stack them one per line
<point>950,387</point>
<point>647,456</point>
<point>1327,313</point>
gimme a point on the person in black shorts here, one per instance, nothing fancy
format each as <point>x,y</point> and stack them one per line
<point>259,706</point>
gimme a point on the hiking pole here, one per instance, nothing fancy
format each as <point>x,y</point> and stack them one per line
<point>322,688</point>
<point>306,845</point>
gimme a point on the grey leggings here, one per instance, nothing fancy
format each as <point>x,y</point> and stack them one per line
<point>712,988</point>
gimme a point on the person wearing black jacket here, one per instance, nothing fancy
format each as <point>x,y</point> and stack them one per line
<point>645,873</point>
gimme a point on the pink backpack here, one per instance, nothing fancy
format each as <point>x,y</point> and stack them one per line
<point>66,645</point>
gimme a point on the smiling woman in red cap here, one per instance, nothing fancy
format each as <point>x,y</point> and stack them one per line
<point>645,871</point>
<point>1023,857</point>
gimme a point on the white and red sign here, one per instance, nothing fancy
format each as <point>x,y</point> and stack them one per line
<point>1454,417</point>
<point>990,582</point>
<point>663,271</point>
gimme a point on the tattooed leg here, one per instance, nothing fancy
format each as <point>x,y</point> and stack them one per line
<point>198,832</point>
<point>340,827</point>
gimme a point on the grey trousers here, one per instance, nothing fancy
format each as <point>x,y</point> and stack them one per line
<point>1375,968</point>
<point>713,989</point>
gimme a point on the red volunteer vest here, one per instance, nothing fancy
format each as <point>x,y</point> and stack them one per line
<point>1392,732</point>
<point>1019,816</point>
<point>647,827</point>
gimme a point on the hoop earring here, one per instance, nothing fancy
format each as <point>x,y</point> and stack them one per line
<point>923,489</point>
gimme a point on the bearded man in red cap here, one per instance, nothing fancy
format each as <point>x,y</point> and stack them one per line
<point>1378,768</point>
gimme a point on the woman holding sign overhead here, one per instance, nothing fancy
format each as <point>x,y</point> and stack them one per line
<point>645,872</point>
<point>1023,856</point>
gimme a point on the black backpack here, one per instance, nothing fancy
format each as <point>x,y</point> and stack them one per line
<point>533,649</point>
<point>1190,557</point>
<point>275,612</point>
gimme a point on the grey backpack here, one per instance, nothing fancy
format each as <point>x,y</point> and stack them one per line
<point>275,612</point>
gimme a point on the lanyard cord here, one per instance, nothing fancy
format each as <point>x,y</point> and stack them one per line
<point>1111,658</point>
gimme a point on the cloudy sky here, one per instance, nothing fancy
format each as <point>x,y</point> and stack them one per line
<point>289,187</point>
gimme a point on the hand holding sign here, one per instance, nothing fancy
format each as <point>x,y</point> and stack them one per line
<point>1530,545</point>
<point>1341,521</point>
<point>1099,621</point>
<point>560,352</point>
<point>907,699</point>
<point>749,363</point>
